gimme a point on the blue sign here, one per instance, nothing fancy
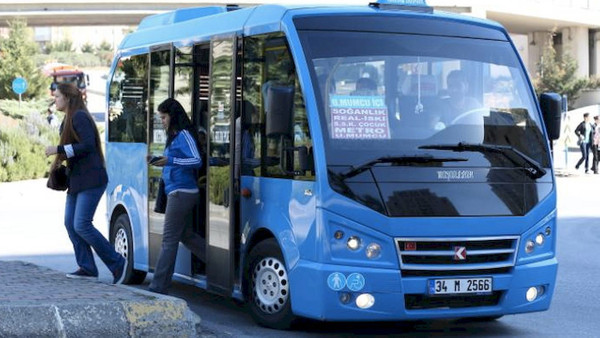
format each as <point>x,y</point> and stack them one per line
<point>336,281</point>
<point>355,281</point>
<point>19,85</point>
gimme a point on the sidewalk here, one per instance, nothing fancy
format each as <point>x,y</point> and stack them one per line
<point>40,302</point>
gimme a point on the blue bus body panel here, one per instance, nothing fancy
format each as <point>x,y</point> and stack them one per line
<point>178,16</point>
<point>287,209</point>
<point>127,187</point>
<point>158,29</point>
<point>312,297</point>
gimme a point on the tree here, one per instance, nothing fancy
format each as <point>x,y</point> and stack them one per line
<point>104,46</point>
<point>87,48</point>
<point>64,45</point>
<point>17,60</point>
<point>558,74</point>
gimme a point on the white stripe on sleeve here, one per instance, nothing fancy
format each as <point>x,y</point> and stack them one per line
<point>191,143</point>
<point>69,150</point>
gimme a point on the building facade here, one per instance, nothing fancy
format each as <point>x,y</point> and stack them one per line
<point>575,23</point>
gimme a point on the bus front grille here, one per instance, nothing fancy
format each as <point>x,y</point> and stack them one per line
<point>456,256</point>
<point>421,302</point>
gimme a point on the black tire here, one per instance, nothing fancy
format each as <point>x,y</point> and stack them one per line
<point>122,240</point>
<point>267,289</point>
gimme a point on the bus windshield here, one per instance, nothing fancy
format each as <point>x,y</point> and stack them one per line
<point>390,95</point>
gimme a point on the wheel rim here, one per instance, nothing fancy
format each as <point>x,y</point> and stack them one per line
<point>270,285</point>
<point>121,242</point>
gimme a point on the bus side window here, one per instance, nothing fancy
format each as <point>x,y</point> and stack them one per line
<point>268,62</point>
<point>127,109</point>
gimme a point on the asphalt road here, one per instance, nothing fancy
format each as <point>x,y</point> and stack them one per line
<point>31,230</point>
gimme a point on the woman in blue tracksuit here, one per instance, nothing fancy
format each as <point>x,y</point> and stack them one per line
<point>181,163</point>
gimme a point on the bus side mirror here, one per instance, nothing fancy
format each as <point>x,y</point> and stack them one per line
<point>279,111</point>
<point>551,105</point>
<point>303,157</point>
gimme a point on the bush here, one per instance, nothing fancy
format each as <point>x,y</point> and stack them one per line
<point>22,147</point>
<point>219,178</point>
<point>11,107</point>
<point>21,157</point>
<point>87,48</point>
<point>65,45</point>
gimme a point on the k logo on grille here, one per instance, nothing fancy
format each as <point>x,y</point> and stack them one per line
<point>460,253</point>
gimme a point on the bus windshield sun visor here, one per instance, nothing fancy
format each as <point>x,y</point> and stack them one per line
<point>531,166</point>
<point>397,160</point>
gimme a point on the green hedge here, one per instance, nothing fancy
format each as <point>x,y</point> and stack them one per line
<point>22,147</point>
<point>11,107</point>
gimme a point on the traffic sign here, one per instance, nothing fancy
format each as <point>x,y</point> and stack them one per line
<point>19,85</point>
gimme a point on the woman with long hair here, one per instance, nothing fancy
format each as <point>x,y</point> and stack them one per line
<point>181,164</point>
<point>80,146</point>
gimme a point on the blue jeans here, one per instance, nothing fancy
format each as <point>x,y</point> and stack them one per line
<point>79,213</point>
<point>585,155</point>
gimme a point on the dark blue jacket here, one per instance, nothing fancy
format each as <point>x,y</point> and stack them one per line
<point>86,168</point>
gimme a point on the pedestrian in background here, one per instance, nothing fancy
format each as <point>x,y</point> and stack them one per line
<point>181,164</point>
<point>80,147</point>
<point>51,117</point>
<point>595,143</point>
<point>584,137</point>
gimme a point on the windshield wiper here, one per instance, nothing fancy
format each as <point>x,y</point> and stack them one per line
<point>355,170</point>
<point>531,166</point>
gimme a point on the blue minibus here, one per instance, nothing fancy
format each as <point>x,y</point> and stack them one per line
<point>382,162</point>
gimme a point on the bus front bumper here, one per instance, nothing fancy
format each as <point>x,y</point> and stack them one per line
<point>330,292</point>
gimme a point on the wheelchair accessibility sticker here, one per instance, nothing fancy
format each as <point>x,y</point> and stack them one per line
<point>355,281</point>
<point>336,281</point>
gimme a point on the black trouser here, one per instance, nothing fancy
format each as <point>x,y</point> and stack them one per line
<point>595,158</point>
<point>178,228</point>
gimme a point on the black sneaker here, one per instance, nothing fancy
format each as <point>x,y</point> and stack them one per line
<point>80,274</point>
<point>119,276</point>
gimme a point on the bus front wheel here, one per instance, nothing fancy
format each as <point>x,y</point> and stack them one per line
<point>268,286</point>
<point>122,240</point>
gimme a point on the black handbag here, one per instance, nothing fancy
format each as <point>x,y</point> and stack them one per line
<point>160,206</point>
<point>58,178</point>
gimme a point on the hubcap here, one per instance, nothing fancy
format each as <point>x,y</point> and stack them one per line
<point>270,285</point>
<point>121,243</point>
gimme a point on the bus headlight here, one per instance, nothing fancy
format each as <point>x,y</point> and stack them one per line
<point>353,243</point>
<point>373,250</point>
<point>365,300</point>
<point>540,239</point>
<point>529,246</point>
<point>531,294</point>
<point>534,292</point>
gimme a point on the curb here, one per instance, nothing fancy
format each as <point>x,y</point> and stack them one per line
<point>52,306</point>
<point>150,318</point>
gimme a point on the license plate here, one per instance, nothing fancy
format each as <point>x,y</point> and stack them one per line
<point>460,286</point>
